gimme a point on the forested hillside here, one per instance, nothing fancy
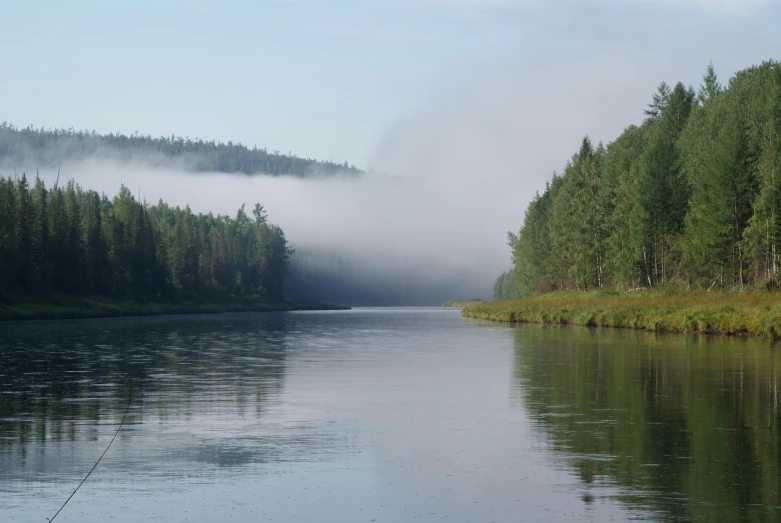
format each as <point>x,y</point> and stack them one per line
<point>30,147</point>
<point>71,241</point>
<point>691,197</point>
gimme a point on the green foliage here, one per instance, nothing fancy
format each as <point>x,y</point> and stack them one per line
<point>715,157</point>
<point>710,87</point>
<point>691,198</point>
<point>461,303</point>
<point>660,99</point>
<point>52,146</point>
<point>662,189</point>
<point>75,242</point>
<point>505,288</point>
<point>669,308</point>
<point>578,219</point>
<point>625,223</point>
<point>688,424</point>
<point>535,267</point>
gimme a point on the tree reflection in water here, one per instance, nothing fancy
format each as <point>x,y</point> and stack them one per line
<point>689,426</point>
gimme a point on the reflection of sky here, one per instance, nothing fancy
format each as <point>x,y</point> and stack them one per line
<point>342,417</point>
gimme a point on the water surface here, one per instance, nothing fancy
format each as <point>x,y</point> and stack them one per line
<point>383,415</point>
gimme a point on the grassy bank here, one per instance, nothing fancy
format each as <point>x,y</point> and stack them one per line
<point>461,303</point>
<point>72,307</point>
<point>755,314</point>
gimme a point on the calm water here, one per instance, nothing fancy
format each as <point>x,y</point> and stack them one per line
<point>385,415</point>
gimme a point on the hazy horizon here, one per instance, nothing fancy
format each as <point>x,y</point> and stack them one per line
<point>467,143</point>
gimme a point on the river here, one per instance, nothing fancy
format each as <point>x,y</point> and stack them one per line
<point>383,415</point>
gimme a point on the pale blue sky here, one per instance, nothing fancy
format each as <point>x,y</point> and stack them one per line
<point>322,79</point>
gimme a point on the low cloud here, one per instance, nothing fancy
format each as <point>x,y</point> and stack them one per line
<point>462,169</point>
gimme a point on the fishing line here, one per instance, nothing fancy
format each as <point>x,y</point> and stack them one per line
<point>101,456</point>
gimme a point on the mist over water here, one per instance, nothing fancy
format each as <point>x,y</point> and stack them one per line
<point>427,222</point>
<point>386,231</point>
<point>461,168</point>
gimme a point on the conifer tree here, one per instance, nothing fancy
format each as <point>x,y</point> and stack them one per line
<point>8,245</point>
<point>72,260</point>
<point>659,101</point>
<point>42,261</point>
<point>23,230</point>
<point>710,87</point>
<point>663,190</point>
<point>94,245</point>
<point>625,224</point>
<point>759,89</point>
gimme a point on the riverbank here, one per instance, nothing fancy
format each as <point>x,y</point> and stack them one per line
<point>748,314</point>
<point>461,303</point>
<point>62,307</point>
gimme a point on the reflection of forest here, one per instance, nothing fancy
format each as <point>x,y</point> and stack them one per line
<point>689,426</point>
<point>57,375</point>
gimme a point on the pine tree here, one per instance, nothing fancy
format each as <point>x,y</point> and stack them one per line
<point>722,190</point>
<point>72,260</point>
<point>8,244</point>
<point>42,251</point>
<point>663,189</point>
<point>578,219</point>
<point>710,87</point>
<point>58,235</point>
<point>625,223</point>
<point>535,269</point>
<point>759,93</point>
<point>660,100</point>
<point>95,252</point>
<point>23,230</point>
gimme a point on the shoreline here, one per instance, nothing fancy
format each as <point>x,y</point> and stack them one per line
<point>751,314</point>
<point>459,304</point>
<point>67,307</point>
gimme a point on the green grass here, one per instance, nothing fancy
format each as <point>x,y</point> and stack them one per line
<point>52,307</point>
<point>751,313</point>
<point>462,303</point>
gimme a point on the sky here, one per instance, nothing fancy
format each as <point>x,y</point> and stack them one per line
<point>471,105</point>
<point>319,79</point>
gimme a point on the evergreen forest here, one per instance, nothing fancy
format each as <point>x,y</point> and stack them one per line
<point>505,288</point>
<point>77,242</point>
<point>49,147</point>
<point>691,197</point>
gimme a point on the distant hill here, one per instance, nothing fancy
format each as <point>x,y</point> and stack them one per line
<point>26,147</point>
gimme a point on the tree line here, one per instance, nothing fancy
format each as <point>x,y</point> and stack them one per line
<point>68,240</point>
<point>692,196</point>
<point>505,288</point>
<point>19,146</point>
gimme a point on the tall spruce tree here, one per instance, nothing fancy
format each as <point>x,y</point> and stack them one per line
<point>8,241</point>
<point>722,190</point>
<point>659,101</point>
<point>42,249</point>
<point>664,190</point>
<point>759,91</point>
<point>710,87</point>
<point>625,224</point>
<point>23,225</point>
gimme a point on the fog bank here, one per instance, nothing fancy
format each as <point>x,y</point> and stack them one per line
<point>391,235</point>
<point>466,162</point>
